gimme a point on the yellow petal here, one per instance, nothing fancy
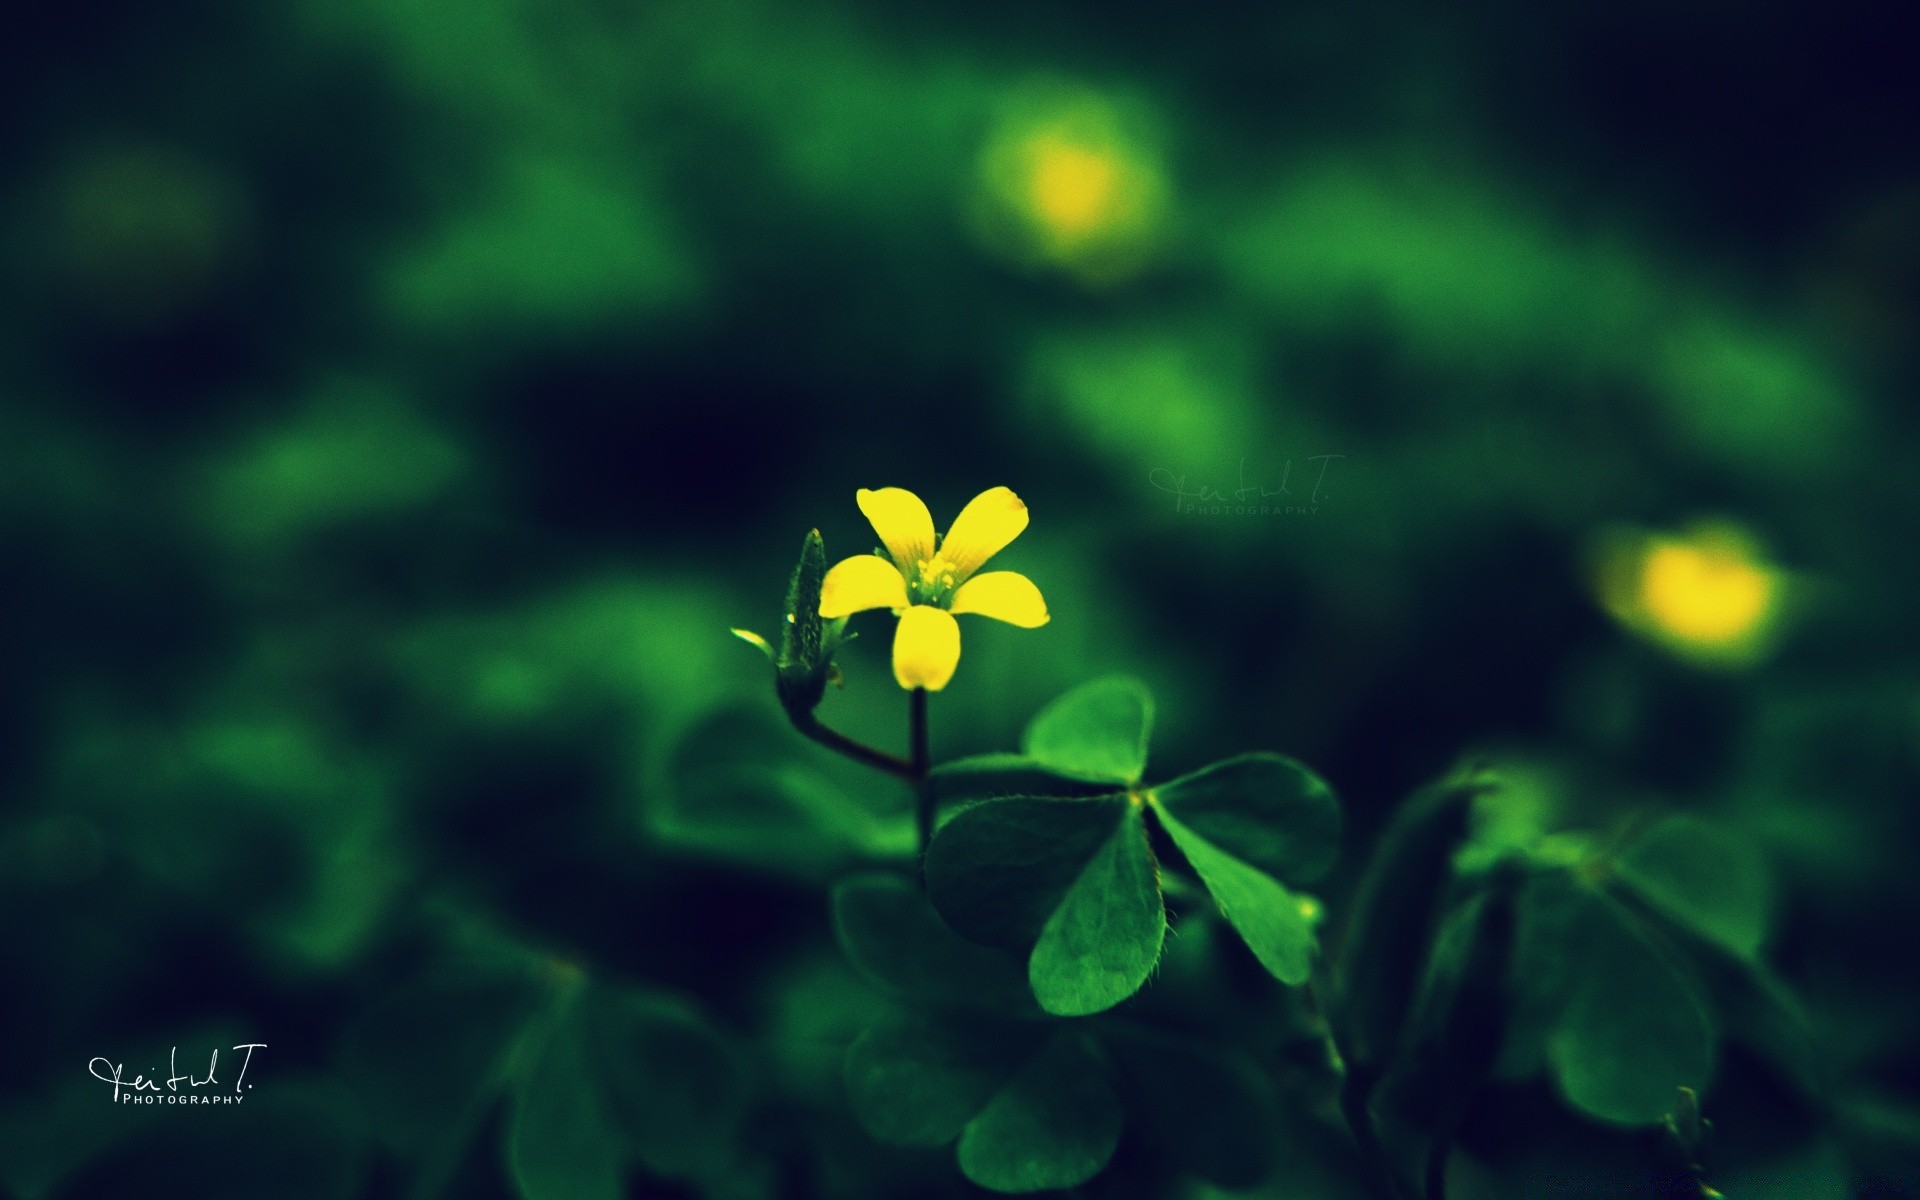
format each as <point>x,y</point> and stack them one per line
<point>902,521</point>
<point>859,583</point>
<point>983,528</point>
<point>1003,595</point>
<point>926,648</point>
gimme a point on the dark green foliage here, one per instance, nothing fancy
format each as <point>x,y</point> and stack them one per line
<point>1705,876</point>
<point>1394,914</point>
<point>1635,1028</point>
<point>559,1144</point>
<point>918,1080</point>
<point>1053,1125</point>
<point>674,1087</point>
<point>427,1058</point>
<point>1202,1108</point>
<point>889,931</point>
<point>1032,1107</point>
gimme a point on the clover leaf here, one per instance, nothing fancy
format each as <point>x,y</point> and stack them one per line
<point>1032,1107</point>
<point>559,1141</point>
<point>1074,880</point>
<point>1705,876</point>
<point>1098,731</point>
<point>892,936</point>
<point>1622,1021</point>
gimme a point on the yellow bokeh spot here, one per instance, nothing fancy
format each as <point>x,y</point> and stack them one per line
<point>1068,181</point>
<point>1707,593</point>
<point>1073,189</point>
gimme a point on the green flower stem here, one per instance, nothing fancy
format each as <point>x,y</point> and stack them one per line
<point>921,765</point>
<point>859,752</point>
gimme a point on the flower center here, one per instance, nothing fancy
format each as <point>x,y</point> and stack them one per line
<point>933,579</point>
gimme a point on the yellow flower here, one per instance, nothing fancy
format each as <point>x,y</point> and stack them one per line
<point>927,581</point>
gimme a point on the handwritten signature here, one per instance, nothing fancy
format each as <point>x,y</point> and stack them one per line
<point>1248,497</point>
<point>141,1089</point>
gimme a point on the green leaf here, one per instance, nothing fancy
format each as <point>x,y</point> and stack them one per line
<point>1097,731</point>
<point>917,1079</point>
<point>1455,1031</point>
<point>997,869</point>
<point>745,788</point>
<point>1072,878</point>
<point>1101,943</point>
<point>893,936</point>
<point>1394,915</point>
<point>1635,1029</point>
<point>997,776</point>
<point>1208,1113</point>
<point>673,1086</point>
<point>1269,918</point>
<point>1705,876</point>
<point>1544,972</point>
<point>558,1144</point>
<point>1264,809</point>
<point>1054,1125</point>
<point>1460,1016</point>
<point>427,1057</point>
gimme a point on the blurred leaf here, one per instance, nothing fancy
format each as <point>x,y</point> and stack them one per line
<point>1635,1030</point>
<point>1460,1014</point>
<point>558,1144</point>
<point>1455,1031</point>
<point>1814,1170</point>
<point>425,1058</point>
<point>549,242</point>
<point>1264,809</point>
<point>1273,921</point>
<point>1102,942</point>
<point>1098,731</point>
<point>891,933</point>
<point>1704,875</point>
<point>360,449</point>
<point>1394,912</point>
<point>916,1080</point>
<point>745,788</point>
<point>673,1085</point>
<point>1054,1125</point>
<point>1206,1112</point>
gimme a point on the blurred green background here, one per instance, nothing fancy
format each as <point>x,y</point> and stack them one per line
<point>402,400</point>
